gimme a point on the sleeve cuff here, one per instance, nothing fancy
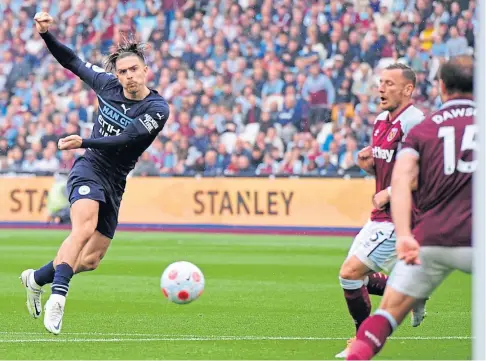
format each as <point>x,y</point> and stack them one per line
<point>409,151</point>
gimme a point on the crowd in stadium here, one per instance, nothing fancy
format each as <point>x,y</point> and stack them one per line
<point>256,87</point>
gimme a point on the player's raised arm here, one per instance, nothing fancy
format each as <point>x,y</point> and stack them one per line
<point>151,123</point>
<point>92,75</point>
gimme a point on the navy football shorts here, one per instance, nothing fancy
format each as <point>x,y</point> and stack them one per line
<point>83,183</point>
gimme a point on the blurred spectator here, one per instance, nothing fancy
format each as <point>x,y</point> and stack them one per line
<point>319,92</point>
<point>48,162</point>
<point>457,44</point>
<point>67,161</point>
<point>145,166</point>
<point>29,164</point>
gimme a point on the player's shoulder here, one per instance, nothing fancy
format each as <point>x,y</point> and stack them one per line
<point>157,101</point>
<point>410,118</point>
<point>424,129</point>
<point>112,82</point>
<point>412,113</point>
<point>156,105</point>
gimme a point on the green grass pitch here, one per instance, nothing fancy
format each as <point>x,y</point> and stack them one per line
<point>266,297</point>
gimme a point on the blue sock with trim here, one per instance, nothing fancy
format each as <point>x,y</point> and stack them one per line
<point>62,277</point>
<point>45,274</point>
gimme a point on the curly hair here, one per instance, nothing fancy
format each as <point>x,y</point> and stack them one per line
<point>128,48</point>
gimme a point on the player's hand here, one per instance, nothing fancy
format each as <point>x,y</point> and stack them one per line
<point>365,153</point>
<point>70,142</point>
<point>42,21</point>
<point>381,199</point>
<point>408,250</point>
<point>366,160</point>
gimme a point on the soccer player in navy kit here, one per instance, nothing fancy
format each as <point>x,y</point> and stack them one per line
<point>130,115</point>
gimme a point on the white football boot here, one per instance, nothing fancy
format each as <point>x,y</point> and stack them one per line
<point>418,314</point>
<point>53,312</point>
<point>344,353</point>
<point>34,293</point>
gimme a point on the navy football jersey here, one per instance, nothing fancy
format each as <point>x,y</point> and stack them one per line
<point>123,128</point>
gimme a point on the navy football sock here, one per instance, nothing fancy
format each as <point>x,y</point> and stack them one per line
<point>45,274</point>
<point>62,276</point>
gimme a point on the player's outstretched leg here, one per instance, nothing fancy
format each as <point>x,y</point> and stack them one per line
<point>33,281</point>
<point>84,215</point>
<point>351,278</point>
<point>374,332</point>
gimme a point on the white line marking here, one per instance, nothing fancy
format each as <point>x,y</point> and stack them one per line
<point>220,338</point>
<point>152,335</point>
<point>16,333</point>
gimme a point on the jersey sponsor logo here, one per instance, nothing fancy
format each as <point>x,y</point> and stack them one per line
<point>125,109</point>
<point>83,190</point>
<point>149,123</point>
<point>111,120</point>
<point>160,116</point>
<point>113,116</point>
<point>392,134</point>
<point>106,128</point>
<point>453,113</point>
<point>385,154</point>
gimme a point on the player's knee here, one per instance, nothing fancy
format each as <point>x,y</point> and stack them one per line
<point>348,272</point>
<point>354,269</point>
